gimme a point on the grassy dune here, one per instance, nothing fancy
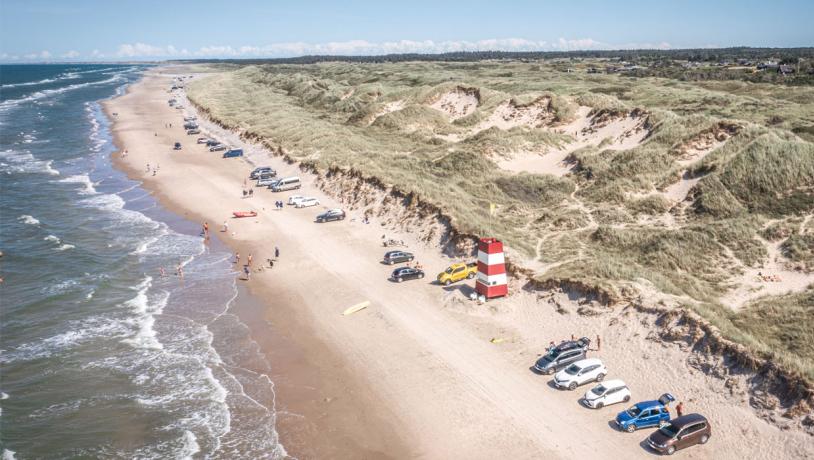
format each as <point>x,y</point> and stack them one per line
<point>606,223</point>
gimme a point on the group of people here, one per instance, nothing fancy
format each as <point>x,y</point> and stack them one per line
<point>157,166</point>
<point>248,193</point>
<point>279,205</point>
<point>249,259</point>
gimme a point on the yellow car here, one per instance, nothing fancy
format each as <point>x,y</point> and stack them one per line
<point>457,272</point>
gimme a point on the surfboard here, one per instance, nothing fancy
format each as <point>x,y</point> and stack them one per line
<point>355,308</point>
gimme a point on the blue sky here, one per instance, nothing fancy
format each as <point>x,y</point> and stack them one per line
<point>52,30</point>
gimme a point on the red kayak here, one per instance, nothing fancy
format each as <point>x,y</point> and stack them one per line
<point>245,213</point>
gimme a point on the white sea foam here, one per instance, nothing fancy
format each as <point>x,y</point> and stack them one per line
<point>64,247</point>
<point>83,179</point>
<point>3,395</point>
<point>78,332</point>
<point>145,310</point>
<point>14,161</point>
<point>28,220</point>
<point>37,95</point>
<point>8,454</point>
<point>52,238</point>
<point>189,445</point>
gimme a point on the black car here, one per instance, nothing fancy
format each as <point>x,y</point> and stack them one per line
<point>332,214</point>
<point>562,355</point>
<point>262,172</point>
<point>406,273</point>
<point>394,257</point>
<point>212,142</point>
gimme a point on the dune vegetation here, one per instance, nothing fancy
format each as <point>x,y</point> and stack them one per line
<point>674,187</point>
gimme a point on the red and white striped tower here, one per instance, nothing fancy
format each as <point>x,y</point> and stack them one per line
<point>491,281</point>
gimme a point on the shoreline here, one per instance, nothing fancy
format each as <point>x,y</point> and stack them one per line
<point>309,420</point>
<point>410,357</point>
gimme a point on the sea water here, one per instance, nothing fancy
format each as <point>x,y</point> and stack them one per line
<point>101,355</point>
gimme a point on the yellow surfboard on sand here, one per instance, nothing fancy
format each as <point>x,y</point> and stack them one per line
<point>355,308</point>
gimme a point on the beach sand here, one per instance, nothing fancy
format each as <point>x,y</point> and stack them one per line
<point>415,374</point>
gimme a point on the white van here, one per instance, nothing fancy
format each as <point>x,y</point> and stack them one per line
<point>286,183</point>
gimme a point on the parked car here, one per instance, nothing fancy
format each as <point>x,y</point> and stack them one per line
<point>394,257</point>
<point>264,181</point>
<point>217,148</point>
<point>580,373</point>
<point>201,140</point>
<point>307,202</point>
<point>232,153</point>
<point>191,125</point>
<point>294,199</point>
<point>331,214</point>
<point>261,171</point>
<point>194,131</point>
<point>192,118</point>
<point>177,146</point>
<point>457,272</point>
<point>406,273</point>
<point>680,433</point>
<point>645,414</point>
<point>562,355</point>
<point>212,142</point>
<point>286,183</point>
<point>606,393</point>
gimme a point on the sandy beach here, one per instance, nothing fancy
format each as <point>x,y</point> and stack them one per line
<point>417,373</point>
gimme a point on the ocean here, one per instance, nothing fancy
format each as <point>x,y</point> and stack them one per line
<point>102,356</point>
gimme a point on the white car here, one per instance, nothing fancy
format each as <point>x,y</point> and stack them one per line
<point>265,182</point>
<point>306,202</point>
<point>606,393</point>
<point>294,199</point>
<point>580,373</point>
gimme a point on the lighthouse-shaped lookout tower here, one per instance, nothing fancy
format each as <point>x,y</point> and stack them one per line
<point>491,281</point>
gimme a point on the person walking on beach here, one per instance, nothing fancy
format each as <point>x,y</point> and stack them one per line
<point>237,258</point>
<point>598,343</point>
<point>148,167</point>
<point>276,252</point>
<point>680,408</point>
<point>225,227</point>
<point>206,230</point>
<point>249,260</point>
<point>180,271</point>
<point>251,192</point>
<point>247,272</point>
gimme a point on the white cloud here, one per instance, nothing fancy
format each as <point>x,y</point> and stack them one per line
<point>41,56</point>
<point>145,50</point>
<point>364,47</point>
<point>71,54</point>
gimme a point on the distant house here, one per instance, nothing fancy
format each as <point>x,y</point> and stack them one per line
<point>768,65</point>
<point>785,69</point>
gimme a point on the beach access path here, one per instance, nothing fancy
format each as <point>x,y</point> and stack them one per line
<point>405,376</point>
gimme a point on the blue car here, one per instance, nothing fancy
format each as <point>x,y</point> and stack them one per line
<point>645,414</point>
<point>233,153</point>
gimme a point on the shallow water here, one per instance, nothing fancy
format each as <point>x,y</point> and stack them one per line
<point>101,355</point>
